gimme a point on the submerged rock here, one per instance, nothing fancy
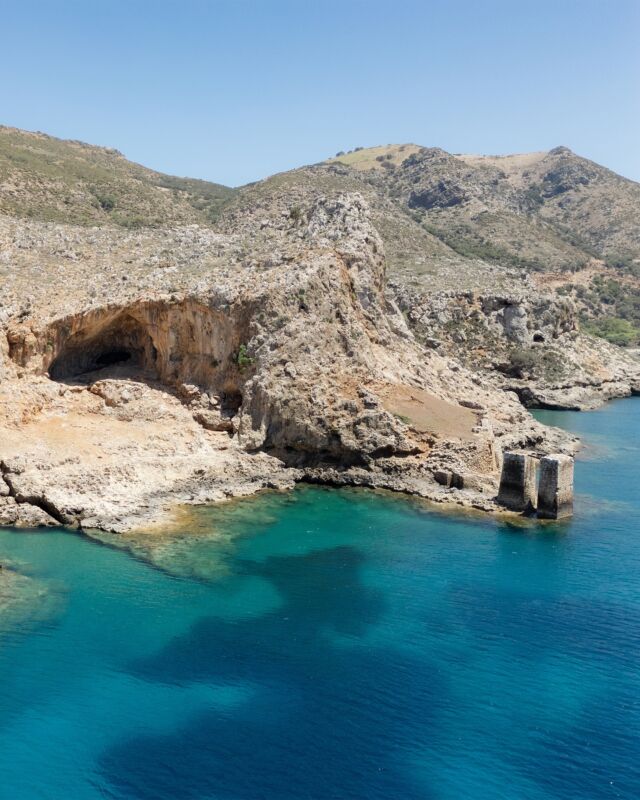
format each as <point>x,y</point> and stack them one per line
<point>24,600</point>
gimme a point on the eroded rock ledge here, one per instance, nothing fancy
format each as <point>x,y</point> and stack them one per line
<point>276,359</point>
<point>524,341</point>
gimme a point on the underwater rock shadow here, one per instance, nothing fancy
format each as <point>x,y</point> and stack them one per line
<point>302,735</point>
<point>299,630</point>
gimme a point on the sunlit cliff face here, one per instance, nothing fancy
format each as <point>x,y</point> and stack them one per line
<point>180,342</point>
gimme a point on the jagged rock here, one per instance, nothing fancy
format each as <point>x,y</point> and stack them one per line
<point>213,421</point>
<point>528,343</point>
<point>24,515</point>
<point>240,377</point>
<point>320,328</point>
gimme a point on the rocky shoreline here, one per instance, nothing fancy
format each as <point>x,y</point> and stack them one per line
<point>284,359</point>
<point>383,323</point>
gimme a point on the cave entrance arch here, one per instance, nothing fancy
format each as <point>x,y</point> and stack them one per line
<point>122,341</point>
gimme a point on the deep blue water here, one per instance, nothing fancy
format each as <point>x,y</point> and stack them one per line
<point>338,644</point>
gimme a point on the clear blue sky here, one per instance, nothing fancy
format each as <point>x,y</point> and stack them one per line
<point>234,91</point>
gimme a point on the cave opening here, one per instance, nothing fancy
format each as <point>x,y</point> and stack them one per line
<point>122,342</point>
<point>111,357</point>
<point>230,401</point>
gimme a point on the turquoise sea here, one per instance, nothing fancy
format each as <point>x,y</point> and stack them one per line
<point>336,644</point>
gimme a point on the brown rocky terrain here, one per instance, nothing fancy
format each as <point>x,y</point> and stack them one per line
<point>317,325</point>
<point>483,253</point>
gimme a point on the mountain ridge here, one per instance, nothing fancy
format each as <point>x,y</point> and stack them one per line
<point>165,340</point>
<point>471,221</point>
<point>60,180</point>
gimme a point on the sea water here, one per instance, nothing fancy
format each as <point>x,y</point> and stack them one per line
<point>337,644</point>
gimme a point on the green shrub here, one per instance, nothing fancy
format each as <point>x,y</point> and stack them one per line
<point>535,362</point>
<point>624,263</point>
<point>106,202</point>
<point>614,329</point>
<point>243,360</point>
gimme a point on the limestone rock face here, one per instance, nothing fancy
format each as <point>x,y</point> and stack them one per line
<point>379,319</point>
<point>527,342</point>
<point>272,354</point>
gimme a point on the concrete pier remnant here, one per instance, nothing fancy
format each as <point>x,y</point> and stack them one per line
<point>518,482</point>
<point>555,490</point>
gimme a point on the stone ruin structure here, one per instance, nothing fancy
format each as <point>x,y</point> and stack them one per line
<point>554,496</point>
<point>518,482</point>
<point>555,489</point>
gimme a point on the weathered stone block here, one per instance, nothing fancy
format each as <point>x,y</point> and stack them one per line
<point>555,491</point>
<point>518,482</point>
<point>442,476</point>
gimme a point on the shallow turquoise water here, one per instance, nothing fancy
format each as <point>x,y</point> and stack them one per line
<point>339,644</point>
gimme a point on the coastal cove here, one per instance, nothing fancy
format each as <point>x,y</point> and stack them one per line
<point>336,643</point>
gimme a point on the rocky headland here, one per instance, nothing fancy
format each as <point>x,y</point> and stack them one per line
<point>309,327</point>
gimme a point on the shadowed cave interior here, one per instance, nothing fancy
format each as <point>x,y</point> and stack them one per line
<point>123,341</point>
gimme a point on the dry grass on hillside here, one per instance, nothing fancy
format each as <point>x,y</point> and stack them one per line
<point>375,157</point>
<point>429,414</point>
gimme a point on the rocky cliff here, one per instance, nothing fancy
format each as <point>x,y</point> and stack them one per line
<point>525,342</point>
<point>310,329</point>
